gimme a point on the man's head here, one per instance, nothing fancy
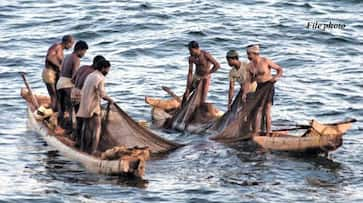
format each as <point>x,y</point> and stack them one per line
<point>193,47</point>
<point>80,48</point>
<point>253,51</point>
<point>103,66</point>
<point>232,57</point>
<point>96,59</point>
<point>67,41</point>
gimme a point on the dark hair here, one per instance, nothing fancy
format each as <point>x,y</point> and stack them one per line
<point>101,64</point>
<point>193,45</point>
<point>80,45</point>
<point>67,38</point>
<point>98,58</point>
<point>232,54</point>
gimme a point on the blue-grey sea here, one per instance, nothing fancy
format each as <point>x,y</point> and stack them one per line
<point>146,44</point>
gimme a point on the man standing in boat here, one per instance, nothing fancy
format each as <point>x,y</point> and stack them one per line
<point>78,79</point>
<point>260,71</point>
<point>53,63</point>
<point>64,85</point>
<point>239,73</point>
<point>203,61</point>
<point>90,107</point>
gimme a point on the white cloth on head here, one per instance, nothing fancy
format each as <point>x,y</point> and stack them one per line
<point>254,49</point>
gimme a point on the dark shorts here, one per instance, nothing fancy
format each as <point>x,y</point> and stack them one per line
<point>64,96</point>
<point>271,94</point>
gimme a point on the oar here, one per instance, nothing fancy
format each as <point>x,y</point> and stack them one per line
<point>34,100</point>
<point>171,93</point>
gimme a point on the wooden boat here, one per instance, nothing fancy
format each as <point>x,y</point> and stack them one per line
<point>131,163</point>
<point>162,109</point>
<point>318,138</point>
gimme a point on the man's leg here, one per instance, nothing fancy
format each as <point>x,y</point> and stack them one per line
<point>78,133</point>
<point>53,95</point>
<point>61,98</point>
<point>268,117</point>
<point>68,109</point>
<point>258,120</point>
<point>96,122</point>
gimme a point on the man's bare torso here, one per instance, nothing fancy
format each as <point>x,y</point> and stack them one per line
<point>261,72</point>
<point>202,64</point>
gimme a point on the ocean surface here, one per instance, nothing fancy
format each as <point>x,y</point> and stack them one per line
<point>146,44</point>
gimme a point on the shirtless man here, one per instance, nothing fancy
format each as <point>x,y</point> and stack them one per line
<point>239,74</point>
<point>53,62</point>
<point>69,68</point>
<point>203,61</point>
<point>260,70</point>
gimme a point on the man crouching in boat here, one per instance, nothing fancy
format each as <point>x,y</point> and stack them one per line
<point>240,74</point>
<point>53,63</point>
<point>90,107</point>
<point>70,66</point>
<point>202,60</point>
<point>260,71</point>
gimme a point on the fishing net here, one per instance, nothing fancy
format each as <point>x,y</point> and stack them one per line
<point>119,129</point>
<point>239,125</point>
<point>193,116</point>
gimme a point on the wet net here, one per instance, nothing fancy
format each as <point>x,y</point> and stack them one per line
<point>118,129</point>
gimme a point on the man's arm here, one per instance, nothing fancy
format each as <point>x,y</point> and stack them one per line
<point>53,57</point>
<point>275,67</point>
<point>246,83</point>
<point>102,92</point>
<point>76,65</point>
<point>107,98</point>
<point>230,94</point>
<point>215,63</point>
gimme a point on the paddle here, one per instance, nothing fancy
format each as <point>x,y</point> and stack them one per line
<point>171,93</point>
<point>34,100</point>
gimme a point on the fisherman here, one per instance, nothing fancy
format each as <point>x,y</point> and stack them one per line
<point>260,71</point>
<point>69,68</point>
<point>90,107</point>
<point>203,61</point>
<point>53,63</point>
<point>239,74</point>
<point>78,80</point>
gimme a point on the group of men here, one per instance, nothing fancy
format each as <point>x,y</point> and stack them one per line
<point>250,76</point>
<point>76,89</point>
<point>79,90</point>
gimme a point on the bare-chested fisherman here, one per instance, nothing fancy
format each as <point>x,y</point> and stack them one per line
<point>69,68</point>
<point>260,69</point>
<point>202,61</point>
<point>239,73</point>
<point>53,63</point>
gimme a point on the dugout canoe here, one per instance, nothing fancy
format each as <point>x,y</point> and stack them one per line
<point>128,165</point>
<point>318,138</point>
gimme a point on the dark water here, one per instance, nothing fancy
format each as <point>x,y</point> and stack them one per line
<point>145,41</point>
